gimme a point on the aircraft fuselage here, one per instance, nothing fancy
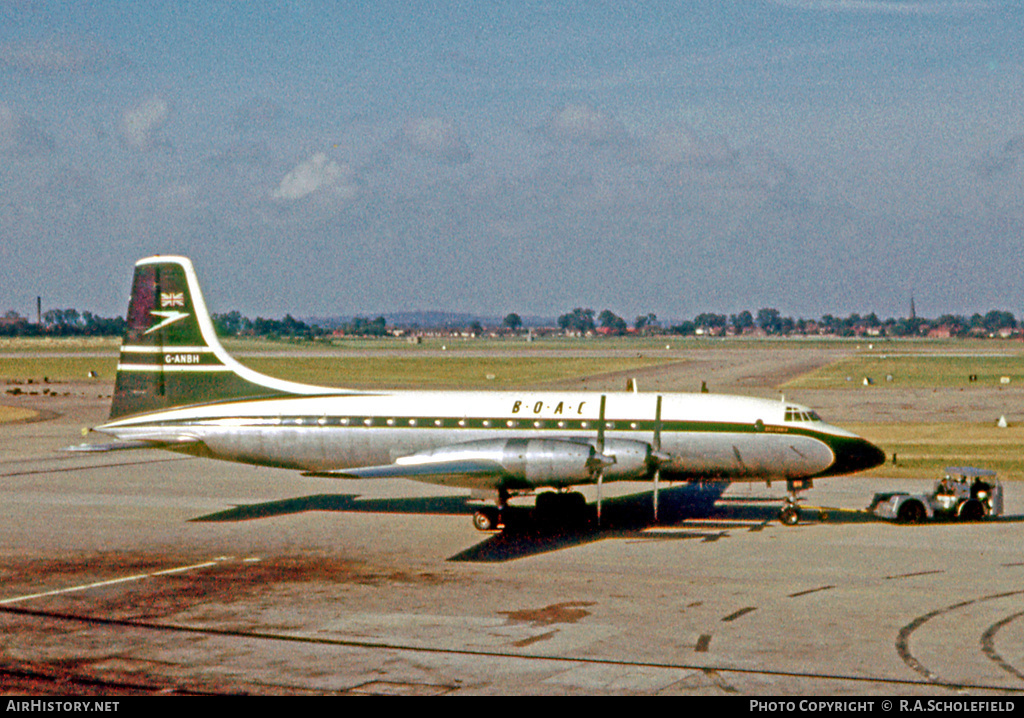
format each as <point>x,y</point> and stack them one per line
<point>702,436</point>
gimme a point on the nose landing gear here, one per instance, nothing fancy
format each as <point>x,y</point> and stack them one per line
<point>789,514</point>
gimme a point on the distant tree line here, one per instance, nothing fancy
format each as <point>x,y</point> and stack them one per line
<point>62,323</point>
<point>233,324</point>
<point>580,321</point>
<point>769,321</point>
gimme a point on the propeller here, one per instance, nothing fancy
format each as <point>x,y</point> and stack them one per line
<point>598,462</point>
<point>656,455</point>
<point>600,457</point>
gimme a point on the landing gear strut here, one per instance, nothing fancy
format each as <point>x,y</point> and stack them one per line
<point>789,515</point>
<point>492,518</point>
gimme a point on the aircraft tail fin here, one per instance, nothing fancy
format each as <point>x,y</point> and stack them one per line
<point>170,355</point>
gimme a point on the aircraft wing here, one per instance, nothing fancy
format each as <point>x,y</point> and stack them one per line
<point>458,472</point>
<point>489,464</point>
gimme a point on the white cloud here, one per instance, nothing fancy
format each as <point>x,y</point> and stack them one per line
<point>583,123</point>
<point>141,124</point>
<point>437,138</point>
<point>318,173</point>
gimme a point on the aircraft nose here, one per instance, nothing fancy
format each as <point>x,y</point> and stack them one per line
<point>856,455</point>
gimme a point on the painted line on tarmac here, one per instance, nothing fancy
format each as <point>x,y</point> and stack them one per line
<point>115,581</point>
<point>724,523</point>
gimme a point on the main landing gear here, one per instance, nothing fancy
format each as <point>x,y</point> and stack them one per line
<point>553,508</point>
<point>491,518</point>
<point>789,514</point>
<point>488,518</point>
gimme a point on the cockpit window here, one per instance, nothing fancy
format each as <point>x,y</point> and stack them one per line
<point>794,414</point>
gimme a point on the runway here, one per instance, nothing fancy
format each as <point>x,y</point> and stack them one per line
<point>148,572</point>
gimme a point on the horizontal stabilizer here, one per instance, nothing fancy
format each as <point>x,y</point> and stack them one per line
<point>127,445</point>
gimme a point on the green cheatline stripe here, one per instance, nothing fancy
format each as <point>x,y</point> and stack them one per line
<point>500,423</point>
<point>155,368</point>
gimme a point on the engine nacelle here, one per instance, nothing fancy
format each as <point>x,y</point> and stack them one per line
<point>529,463</point>
<point>548,462</point>
<point>633,460</point>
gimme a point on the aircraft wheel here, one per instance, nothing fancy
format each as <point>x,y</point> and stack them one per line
<point>557,509</point>
<point>485,520</point>
<point>575,503</point>
<point>545,507</point>
<point>789,515</point>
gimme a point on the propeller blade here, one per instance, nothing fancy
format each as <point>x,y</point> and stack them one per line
<point>600,454</point>
<point>657,477</point>
<point>656,453</point>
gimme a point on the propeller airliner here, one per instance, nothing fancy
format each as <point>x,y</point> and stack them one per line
<point>178,389</point>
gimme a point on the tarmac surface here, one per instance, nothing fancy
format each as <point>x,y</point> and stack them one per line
<point>149,572</point>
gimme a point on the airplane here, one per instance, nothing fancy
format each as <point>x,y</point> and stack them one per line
<point>177,388</point>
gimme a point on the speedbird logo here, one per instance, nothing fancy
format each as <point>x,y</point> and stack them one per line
<point>169,317</point>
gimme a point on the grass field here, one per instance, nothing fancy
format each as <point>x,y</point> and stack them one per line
<point>66,345</point>
<point>447,372</point>
<point>924,450</point>
<point>411,370</point>
<point>57,368</point>
<point>10,413</point>
<point>916,371</point>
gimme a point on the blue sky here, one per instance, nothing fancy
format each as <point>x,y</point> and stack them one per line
<point>816,156</point>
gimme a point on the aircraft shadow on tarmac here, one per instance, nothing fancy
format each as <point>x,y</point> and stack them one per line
<point>687,512</point>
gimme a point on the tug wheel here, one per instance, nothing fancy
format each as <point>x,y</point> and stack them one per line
<point>789,516</point>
